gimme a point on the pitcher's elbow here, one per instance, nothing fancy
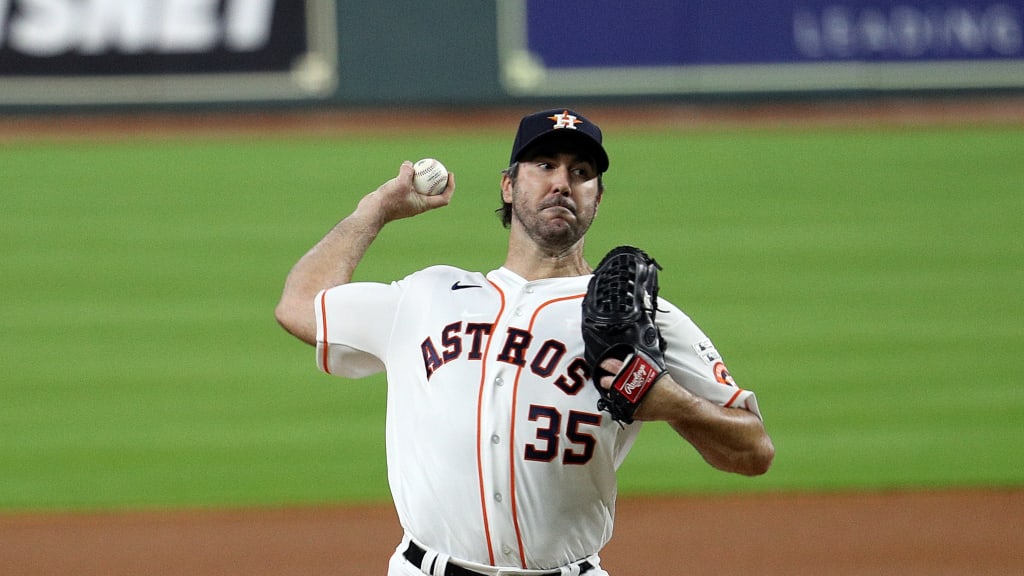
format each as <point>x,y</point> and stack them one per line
<point>760,460</point>
<point>295,323</point>
<point>282,313</point>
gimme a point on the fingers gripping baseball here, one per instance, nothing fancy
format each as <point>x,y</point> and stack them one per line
<point>397,198</point>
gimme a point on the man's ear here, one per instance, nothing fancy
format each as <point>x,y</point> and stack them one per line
<point>506,188</point>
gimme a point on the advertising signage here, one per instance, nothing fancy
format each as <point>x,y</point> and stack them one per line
<point>650,46</point>
<point>125,51</point>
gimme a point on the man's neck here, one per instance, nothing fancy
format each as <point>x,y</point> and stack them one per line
<point>534,262</point>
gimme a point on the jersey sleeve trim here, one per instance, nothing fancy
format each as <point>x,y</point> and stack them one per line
<point>324,364</point>
<point>729,403</point>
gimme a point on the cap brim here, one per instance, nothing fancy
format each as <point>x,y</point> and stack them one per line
<point>581,140</point>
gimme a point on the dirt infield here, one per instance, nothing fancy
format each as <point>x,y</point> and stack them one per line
<point>898,112</point>
<point>961,533</point>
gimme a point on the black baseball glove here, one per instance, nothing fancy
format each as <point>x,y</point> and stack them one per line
<point>618,322</point>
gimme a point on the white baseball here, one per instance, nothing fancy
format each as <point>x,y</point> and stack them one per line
<point>431,177</point>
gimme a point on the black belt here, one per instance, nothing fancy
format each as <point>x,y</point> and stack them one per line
<point>415,555</point>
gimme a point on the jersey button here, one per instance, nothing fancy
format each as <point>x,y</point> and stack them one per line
<point>499,381</point>
<point>495,439</point>
<point>507,550</point>
<point>497,496</point>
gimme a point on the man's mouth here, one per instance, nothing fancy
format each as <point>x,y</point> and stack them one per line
<point>561,205</point>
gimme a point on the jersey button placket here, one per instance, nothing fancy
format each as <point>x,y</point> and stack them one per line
<point>496,466</point>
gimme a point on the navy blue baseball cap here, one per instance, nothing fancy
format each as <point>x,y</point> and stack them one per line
<point>560,123</point>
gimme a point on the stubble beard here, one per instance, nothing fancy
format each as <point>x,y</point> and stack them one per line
<point>553,235</point>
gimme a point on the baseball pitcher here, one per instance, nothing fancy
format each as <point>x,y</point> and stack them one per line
<point>514,395</point>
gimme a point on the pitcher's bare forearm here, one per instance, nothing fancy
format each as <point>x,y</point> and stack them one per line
<point>331,262</point>
<point>730,439</point>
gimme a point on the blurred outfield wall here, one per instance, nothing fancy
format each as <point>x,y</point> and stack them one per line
<point>72,53</point>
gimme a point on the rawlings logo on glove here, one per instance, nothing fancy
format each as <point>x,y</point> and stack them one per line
<point>618,322</point>
<point>638,376</point>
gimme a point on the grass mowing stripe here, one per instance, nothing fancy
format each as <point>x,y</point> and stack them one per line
<point>864,283</point>
<point>851,279</point>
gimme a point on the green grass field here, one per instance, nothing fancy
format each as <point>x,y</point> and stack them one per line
<point>865,283</point>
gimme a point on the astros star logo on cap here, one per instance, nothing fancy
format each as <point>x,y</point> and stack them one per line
<point>565,120</point>
<point>545,126</point>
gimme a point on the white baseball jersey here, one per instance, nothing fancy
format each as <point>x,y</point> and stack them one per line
<point>496,452</point>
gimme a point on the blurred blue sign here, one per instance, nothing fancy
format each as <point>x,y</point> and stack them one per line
<point>645,46</point>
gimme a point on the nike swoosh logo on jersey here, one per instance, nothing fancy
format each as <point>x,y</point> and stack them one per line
<point>458,286</point>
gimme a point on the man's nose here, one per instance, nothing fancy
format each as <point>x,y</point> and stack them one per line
<point>562,181</point>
